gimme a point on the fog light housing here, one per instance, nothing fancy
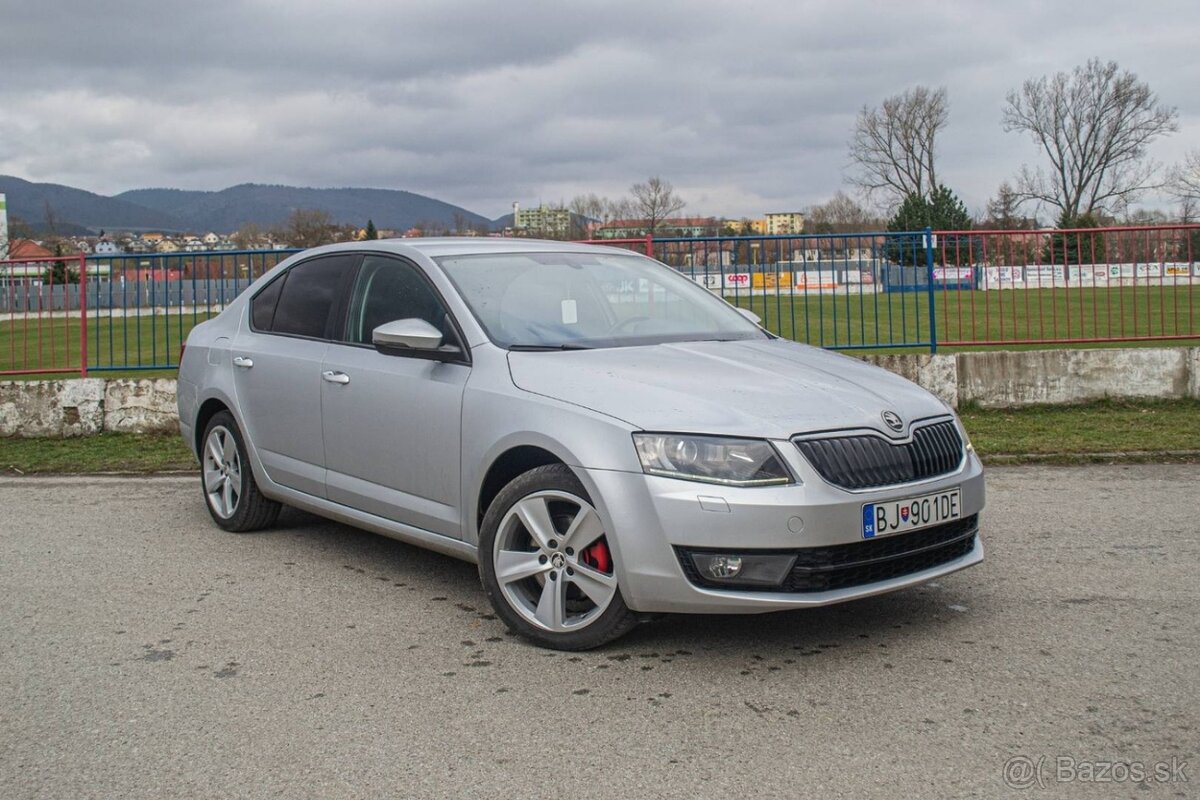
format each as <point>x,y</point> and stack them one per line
<point>743,569</point>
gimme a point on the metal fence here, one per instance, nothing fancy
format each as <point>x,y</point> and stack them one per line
<point>958,289</point>
<point>1078,286</point>
<point>115,313</point>
<point>882,291</point>
<point>850,292</point>
<point>33,337</point>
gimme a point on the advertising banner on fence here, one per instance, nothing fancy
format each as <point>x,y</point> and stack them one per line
<point>1087,275</point>
<point>953,274</point>
<point>815,279</point>
<point>730,280</point>
<point>771,280</point>
<point>786,282</point>
<point>1045,275</point>
<point>852,276</point>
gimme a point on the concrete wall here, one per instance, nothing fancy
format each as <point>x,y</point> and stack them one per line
<point>1000,379</point>
<point>85,406</point>
<point>1006,378</point>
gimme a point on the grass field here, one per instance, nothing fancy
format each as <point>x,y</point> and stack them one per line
<point>1102,431</point>
<point>132,344</point>
<point>1064,433</point>
<point>1047,316</point>
<point>881,322</point>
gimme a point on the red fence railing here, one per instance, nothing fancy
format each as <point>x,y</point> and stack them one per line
<point>1074,286</point>
<point>43,316</point>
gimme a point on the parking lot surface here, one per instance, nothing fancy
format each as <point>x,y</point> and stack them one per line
<point>144,653</point>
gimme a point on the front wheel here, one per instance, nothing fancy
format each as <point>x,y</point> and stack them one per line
<point>230,491</point>
<point>546,566</point>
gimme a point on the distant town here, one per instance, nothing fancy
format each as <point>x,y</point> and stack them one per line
<point>309,228</point>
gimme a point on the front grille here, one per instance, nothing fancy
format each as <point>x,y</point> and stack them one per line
<point>844,566</point>
<point>867,461</point>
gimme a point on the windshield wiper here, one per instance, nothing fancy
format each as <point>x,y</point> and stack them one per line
<point>538,348</point>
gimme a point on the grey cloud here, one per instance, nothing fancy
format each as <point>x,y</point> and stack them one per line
<point>481,103</point>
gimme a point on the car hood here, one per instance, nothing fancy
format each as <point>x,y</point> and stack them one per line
<point>763,388</point>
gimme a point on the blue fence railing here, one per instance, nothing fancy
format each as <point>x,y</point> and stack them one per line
<point>843,291</point>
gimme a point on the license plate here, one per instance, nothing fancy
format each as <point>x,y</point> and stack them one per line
<point>911,514</point>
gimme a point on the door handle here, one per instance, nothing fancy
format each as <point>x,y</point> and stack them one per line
<point>242,361</point>
<point>335,377</point>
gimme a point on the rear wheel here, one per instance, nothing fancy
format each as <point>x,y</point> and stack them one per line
<point>230,492</point>
<point>546,565</point>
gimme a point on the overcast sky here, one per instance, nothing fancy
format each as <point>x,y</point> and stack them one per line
<point>744,107</point>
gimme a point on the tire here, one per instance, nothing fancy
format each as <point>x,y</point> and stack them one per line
<point>227,481</point>
<point>557,583</point>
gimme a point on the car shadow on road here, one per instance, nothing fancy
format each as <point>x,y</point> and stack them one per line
<point>943,608</point>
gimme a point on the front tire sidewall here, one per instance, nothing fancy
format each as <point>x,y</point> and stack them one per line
<point>613,622</point>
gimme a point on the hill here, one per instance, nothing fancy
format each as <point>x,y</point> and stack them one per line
<point>264,205</point>
<point>78,211</point>
<point>224,211</point>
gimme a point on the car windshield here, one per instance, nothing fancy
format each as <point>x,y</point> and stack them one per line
<point>584,300</point>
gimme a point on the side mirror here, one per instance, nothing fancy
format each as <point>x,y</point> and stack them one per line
<point>750,315</point>
<point>415,338</point>
<point>406,335</point>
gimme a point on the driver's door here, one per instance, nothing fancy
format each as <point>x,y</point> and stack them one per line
<point>392,423</point>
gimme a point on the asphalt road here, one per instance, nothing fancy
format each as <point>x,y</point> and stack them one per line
<point>145,654</point>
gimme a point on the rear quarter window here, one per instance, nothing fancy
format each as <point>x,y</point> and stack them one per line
<point>300,302</point>
<point>262,307</point>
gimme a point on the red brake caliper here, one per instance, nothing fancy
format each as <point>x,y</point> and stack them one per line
<point>597,557</point>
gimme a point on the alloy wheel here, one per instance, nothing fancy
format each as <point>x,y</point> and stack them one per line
<point>222,472</point>
<point>552,561</point>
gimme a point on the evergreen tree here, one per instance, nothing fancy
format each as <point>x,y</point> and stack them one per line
<point>371,233</point>
<point>1076,248</point>
<point>60,273</point>
<point>942,211</point>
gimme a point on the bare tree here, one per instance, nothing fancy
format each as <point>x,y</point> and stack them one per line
<point>1184,179</point>
<point>1094,125</point>
<point>893,148</point>
<point>842,214</point>
<point>589,209</point>
<point>1004,211</point>
<point>584,209</point>
<point>248,237</point>
<point>310,227</point>
<point>654,201</point>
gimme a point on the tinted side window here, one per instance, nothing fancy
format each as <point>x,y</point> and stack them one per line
<point>388,290</point>
<point>308,295</point>
<point>262,307</point>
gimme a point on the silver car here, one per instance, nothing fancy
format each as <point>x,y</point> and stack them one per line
<point>607,439</point>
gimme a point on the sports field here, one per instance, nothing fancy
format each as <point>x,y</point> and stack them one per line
<point>969,319</point>
<point>876,322</point>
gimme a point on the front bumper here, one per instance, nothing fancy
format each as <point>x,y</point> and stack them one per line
<point>656,521</point>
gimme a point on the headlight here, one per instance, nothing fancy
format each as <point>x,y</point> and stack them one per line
<point>732,462</point>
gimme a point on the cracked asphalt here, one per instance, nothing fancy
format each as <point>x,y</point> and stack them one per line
<point>146,654</point>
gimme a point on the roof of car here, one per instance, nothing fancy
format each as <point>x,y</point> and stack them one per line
<point>434,247</point>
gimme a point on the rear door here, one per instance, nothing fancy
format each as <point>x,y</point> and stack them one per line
<point>392,423</point>
<point>277,359</point>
